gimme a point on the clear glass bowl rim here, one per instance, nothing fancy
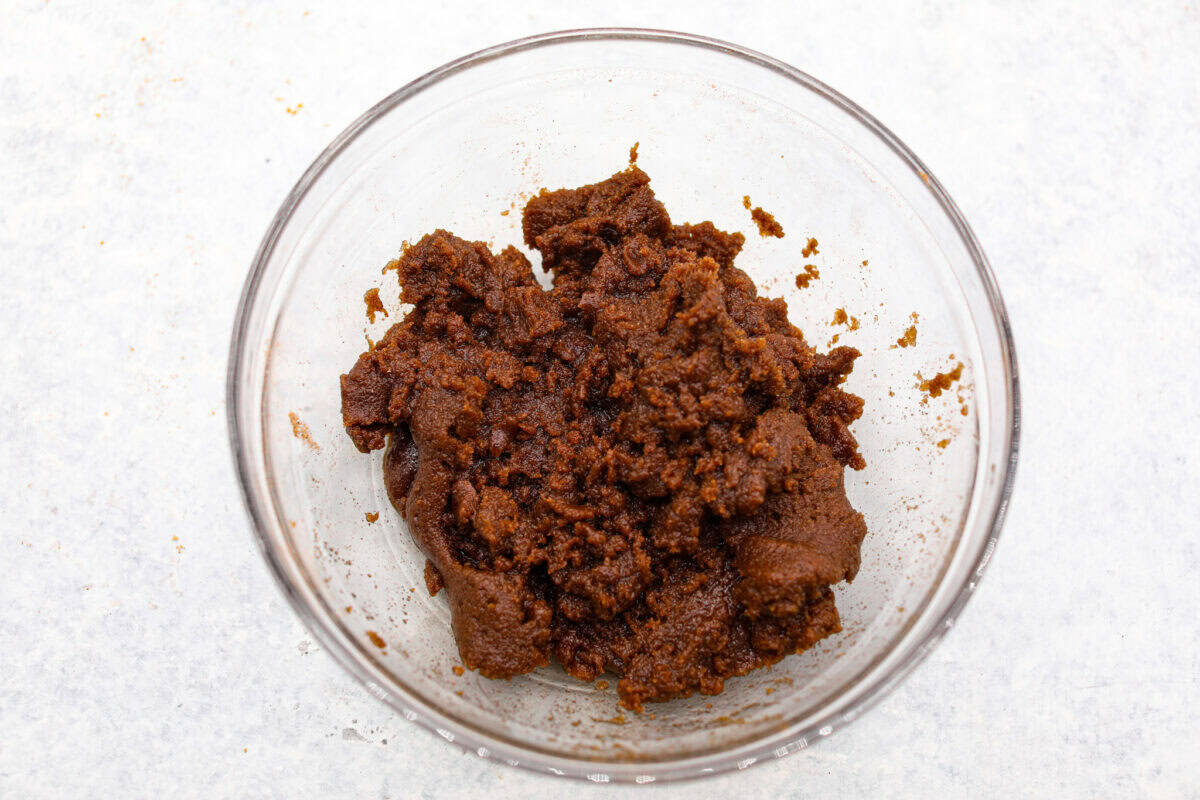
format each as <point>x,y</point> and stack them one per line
<point>868,689</point>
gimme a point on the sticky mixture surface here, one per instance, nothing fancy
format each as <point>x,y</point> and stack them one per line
<point>636,472</point>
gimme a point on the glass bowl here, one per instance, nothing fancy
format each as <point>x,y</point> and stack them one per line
<point>465,145</point>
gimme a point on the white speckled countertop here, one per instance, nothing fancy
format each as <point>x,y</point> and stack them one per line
<point>145,651</point>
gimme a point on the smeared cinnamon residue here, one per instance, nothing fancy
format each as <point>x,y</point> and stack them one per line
<point>810,249</point>
<point>374,304</point>
<point>300,431</point>
<point>811,273</point>
<point>940,382</point>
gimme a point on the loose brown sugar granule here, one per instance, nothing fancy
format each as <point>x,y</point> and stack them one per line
<point>746,201</point>
<point>909,339</point>
<point>864,262</point>
<point>372,516</point>
<point>457,669</point>
<point>940,382</point>
<point>374,305</point>
<point>943,443</point>
<point>504,213</point>
<point>638,471</point>
<point>633,154</point>
<point>376,639</point>
<point>300,431</point>
<point>810,249</point>
<point>810,274</point>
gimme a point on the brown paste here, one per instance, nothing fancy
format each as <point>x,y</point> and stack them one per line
<point>636,472</point>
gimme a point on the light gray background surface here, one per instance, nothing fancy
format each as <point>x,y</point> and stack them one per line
<point>144,147</point>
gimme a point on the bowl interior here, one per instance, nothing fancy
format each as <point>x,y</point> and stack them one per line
<point>463,153</point>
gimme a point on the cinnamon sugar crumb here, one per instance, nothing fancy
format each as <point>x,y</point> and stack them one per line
<point>909,339</point>
<point>810,274</point>
<point>940,382</point>
<point>376,639</point>
<point>374,304</point>
<point>372,516</point>
<point>765,220</point>
<point>840,317</point>
<point>810,249</point>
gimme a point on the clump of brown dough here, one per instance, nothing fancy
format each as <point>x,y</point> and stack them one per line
<point>637,472</point>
